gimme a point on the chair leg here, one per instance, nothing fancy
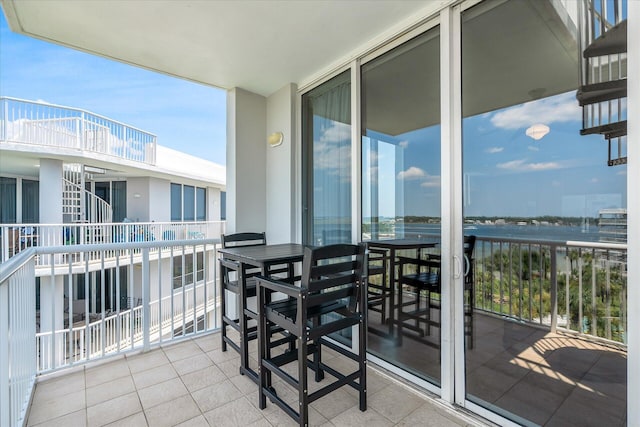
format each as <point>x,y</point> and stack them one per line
<point>303,385</point>
<point>263,352</point>
<point>362,362</point>
<point>223,325</point>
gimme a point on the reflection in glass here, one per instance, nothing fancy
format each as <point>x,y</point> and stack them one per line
<point>526,194</point>
<point>326,149</point>
<point>401,196</point>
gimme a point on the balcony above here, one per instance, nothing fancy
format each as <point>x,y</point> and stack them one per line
<point>38,126</point>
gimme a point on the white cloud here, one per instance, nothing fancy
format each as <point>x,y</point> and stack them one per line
<point>336,133</point>
<point>494,150</point>
<point>594,180</point>
<point>523,166</point>
<point>624,172</point>
<point>533,148</point>
<point>431,181</point>
<point>563,108</point>
<point>411,173</point>
<point>403,144</point>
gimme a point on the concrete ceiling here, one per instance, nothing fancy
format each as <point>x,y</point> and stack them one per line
<point>261,46</point>
<point>257,45</point>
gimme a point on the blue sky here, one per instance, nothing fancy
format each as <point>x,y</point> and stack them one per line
<point>185,116</point>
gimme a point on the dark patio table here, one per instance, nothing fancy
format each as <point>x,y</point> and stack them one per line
<point>392,246</point>
<point>264,257</point>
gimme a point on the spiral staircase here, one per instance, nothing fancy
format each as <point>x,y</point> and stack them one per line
<point>603,75</point>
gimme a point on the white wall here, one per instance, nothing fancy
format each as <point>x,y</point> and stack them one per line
<point>280,167</point>
<point>138,207</point>
<point>159,200</point>
<point>246,165</point>
<point>213,204</point>
<point>50,191</point>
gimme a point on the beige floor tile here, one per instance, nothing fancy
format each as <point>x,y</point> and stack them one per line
<point>62,384</point>
<point>109,390</point>
<point>76,419</point>
<point>107,372</point>
<point>216,395</point>
<point>209,342</point>
<point>173,412</point>
<point>153,376</point>
<point>427,416</point>
<point>143,361</point>
<point>136,420</point>
<point>193,363</point>
<point>161,392</point>
<point>354,417</point>
<point>182,350</point>
<point>395,402</point>
<point>334,403</point>
<point>231,368</point>
<point>218,356</point>
<point>199,421</point>
<point>203,378</point>
<point>113,410</point>
<point>245,385</point>
<point>48,407</point>
<point>237,413</point>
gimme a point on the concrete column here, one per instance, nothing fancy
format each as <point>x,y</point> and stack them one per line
<point>50,191</point>
<point>246,163</point>
<point>52,316</point>
<point>280,167</point>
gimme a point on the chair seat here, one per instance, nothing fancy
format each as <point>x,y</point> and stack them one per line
<point>423,280</point>
<point>288,309</point>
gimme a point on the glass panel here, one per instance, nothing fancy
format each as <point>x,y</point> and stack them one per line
<point>401,200</point>
<point>176,202</point>
<point>7,200</point>
<point>545,318</point>
<point>223,205</point>
<point>189,203</point>
<point>201,204</point>
<point>119,202</point>
<point>30,201</point>
<point>326,155</point>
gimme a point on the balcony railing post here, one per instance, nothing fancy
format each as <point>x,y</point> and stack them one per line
<point>554,288</point>
<point>146,288</point>
<point>4,354</point>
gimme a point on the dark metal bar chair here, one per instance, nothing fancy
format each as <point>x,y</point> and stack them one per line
<point>240,281</point>
<point>423,281</point>
<point>331,298</point>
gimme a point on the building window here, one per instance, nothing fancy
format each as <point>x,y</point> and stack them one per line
<point>188,203</point>
<point>30,201</point>
<point>176,202</point>
<point>223,205</point>
<point>7,200</point>
<point>189,267</point>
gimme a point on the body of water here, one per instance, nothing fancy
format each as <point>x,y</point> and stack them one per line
<point>561,233</point>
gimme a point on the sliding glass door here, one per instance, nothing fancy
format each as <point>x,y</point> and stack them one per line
<point>401,194</point>
<point>326,162</point>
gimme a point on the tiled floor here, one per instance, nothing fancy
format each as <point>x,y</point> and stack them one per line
<point>546,378</point>
<point>194,383</point>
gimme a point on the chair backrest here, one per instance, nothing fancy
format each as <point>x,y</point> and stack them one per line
<point>335,236</point>
<point>243,239</point>
<point>333,272</point>
<point>468,246</point>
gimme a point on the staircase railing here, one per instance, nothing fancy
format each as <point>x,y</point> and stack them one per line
<point>603,74</point>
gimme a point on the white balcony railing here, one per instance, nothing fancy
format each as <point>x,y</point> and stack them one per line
<point>41,334</point>
<point>39,123</point>
<point>15,238</point>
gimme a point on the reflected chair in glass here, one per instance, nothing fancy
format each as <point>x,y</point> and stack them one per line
<point>331,298</point>
<point>423,281</point>
<point>378,289</point>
